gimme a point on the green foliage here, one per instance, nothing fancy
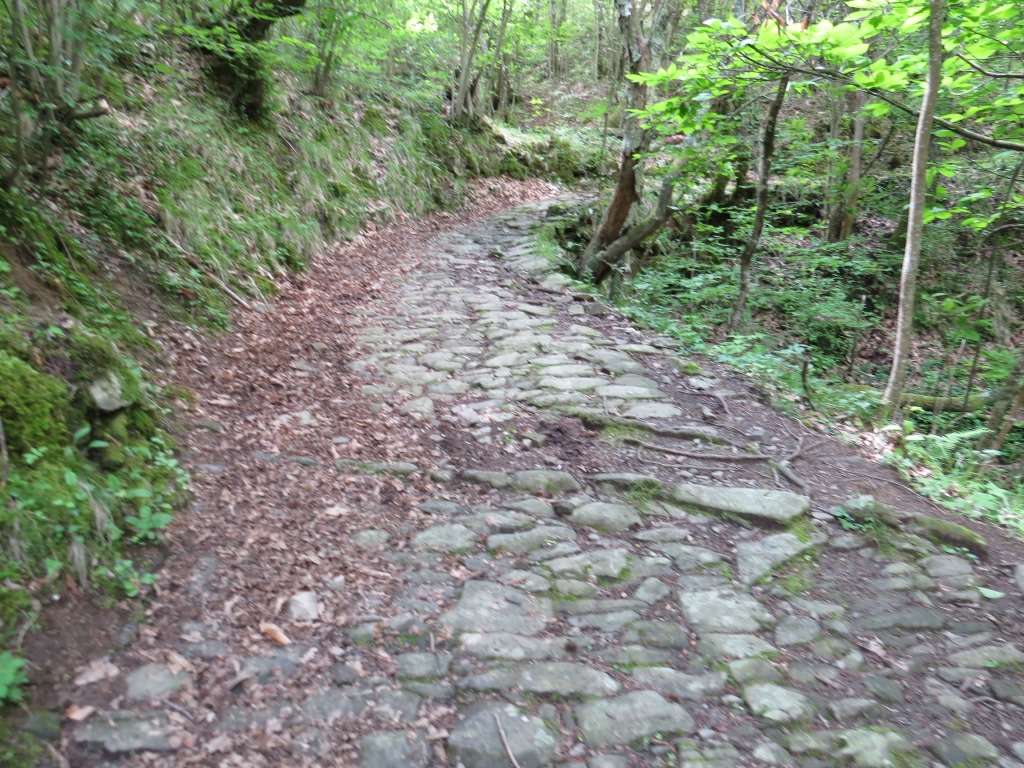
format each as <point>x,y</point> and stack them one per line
<point>950,470</point>
<point>11,677</point>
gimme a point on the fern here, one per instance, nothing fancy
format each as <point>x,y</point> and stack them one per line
<point>944,451</point>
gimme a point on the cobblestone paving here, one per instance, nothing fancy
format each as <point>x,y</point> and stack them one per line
<point>605,620</point>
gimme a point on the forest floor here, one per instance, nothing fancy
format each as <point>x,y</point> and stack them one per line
<point>450,511</point>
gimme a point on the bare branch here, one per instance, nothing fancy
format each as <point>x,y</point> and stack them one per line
<point>987,73</point>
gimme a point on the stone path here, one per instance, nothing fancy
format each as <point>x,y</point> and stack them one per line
<point>590,617</point>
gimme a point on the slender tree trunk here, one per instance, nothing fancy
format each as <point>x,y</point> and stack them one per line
<point>641,55</point>
<point>464,103</point>
<point>1003,406</point>
<point>496,81</point>
<point>764,168</point>
<point>1009,421</point>
<point>915,218</point>
<point>844,215</point>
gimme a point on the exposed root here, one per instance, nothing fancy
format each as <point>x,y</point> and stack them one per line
<point>776,465</point>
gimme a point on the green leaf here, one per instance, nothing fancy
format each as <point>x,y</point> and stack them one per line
<point>991,594</point>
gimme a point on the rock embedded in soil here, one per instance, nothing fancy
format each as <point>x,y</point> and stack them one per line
<point>965,749</point>
<point>756,559</point>
<point>874,748</point>
<point>395,749</point>
<point>476,742</point>
<point>724,610</point>
<point>777,704</point>
<point>489,607</point>
<point>759,505</point>
<point>628,718</point>
<point>606,517</point>
<point>303,606</point>
<point>544,481</point>
<point>446,538</point>
<point>154,681</point>
<point>126,731</point>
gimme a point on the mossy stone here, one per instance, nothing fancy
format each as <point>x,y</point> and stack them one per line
<point>34,406</point>
<point>945,532</point>
<point>94,356</point>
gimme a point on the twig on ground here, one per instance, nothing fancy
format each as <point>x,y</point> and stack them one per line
<point>504,741</point>
<point>179,709</point>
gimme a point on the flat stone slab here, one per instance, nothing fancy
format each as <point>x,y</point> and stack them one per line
<point>966,749</point>
<point>778,704</point>
<point>394,749</point>
<point>628,718</point>
<point>758,504</point>
<point>544,481</point>
<point>603,516</point>
<point>988,656</point>
<point>571,383</point>
<point>528,541</point>
<point>652,411</point>
<point>606,563</point>
<point>446,538</point>
<point>558,678</point>
<point>686,557</point>
<point>680,684</point>
<point>476,742</point>
<point>489,607</point>
<point>873,748</point>
<point>511,647</point>
<point>627,392</point>
<point>154,681</point>
<point>125,731</point>
<point>725,647</point>
<point>724,610</point>
<point>756,559</point>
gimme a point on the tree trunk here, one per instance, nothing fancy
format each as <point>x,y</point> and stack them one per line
<point>997,419</point>
<point>840,225</point>
<point>464,103</point>
<point>764,168</point>
<point>915,216</point>
<point>636,234</point>
<point>640,55</point>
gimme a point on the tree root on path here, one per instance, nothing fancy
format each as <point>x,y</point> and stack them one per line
<point>595,419</point>
<point>775,464</point>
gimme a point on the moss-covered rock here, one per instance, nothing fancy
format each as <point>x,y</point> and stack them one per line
<point>944,532</point>
<point>34,406</point>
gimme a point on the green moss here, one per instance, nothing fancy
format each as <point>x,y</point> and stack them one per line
<point>944,532</point>
<point>801,528</point>
<point>34,407</point>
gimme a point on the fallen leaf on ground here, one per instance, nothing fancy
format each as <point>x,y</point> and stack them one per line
<point>274,632</point>
<point>77,714</point>
<point>96,670</point>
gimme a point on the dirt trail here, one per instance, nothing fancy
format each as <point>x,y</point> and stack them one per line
<point>449,512</point>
